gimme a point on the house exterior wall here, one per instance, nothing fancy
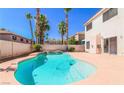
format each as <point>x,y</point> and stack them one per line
<point>8,37</point>
<point>90,35</point>
<point>110,28</point>
<point>5,37</point>
<point>81,37</point>
<point>12,49</point>
<point>77,37</point>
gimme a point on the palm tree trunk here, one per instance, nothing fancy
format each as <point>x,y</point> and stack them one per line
<point>42,38</point>
<point>62,39</point>
<point>32,38</point>
<point>36,40</point>
<point>38,22</point>
<point>67,30</point>
<point>43,41</point>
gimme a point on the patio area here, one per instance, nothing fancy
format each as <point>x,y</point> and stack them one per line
<point>110,69</point>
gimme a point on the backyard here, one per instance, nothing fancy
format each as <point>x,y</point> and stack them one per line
<point>56,54</point>
<point>109,69</point>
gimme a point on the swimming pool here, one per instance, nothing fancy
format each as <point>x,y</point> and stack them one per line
<point>52,69</point>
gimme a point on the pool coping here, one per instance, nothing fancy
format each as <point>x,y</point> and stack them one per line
<point>30,56</point>
<point>109,69</point>
<point>16,62</point>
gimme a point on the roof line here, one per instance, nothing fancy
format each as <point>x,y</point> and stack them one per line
<point>96,15</point>
<point>12,33</point>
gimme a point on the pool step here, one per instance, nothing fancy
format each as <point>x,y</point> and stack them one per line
<point>79,71</point>
<point>84,71</point>
<point>74,75</point>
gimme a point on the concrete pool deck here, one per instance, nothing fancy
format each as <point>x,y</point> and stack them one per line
<point>7,78</point>
<point>110,69</point>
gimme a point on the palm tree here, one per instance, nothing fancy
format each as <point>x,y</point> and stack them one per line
<point>66,10</point>
<point>37,25</point>
<point>44,26</point>
<point>62,29</point>
<point>29,17</point>
<point>47,37</point>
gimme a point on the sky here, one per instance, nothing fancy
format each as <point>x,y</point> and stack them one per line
<point>14,20</point>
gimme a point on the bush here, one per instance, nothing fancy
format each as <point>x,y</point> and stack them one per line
<point>71,49</point>
<point>72,41</point>
<point>37,47</point>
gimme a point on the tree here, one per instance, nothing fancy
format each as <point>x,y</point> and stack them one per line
<point>37,33</point>
<point>66,10</point>
<point>44,26</point>
<point>62,29</point>
<point>29,17</point>
<point>72,41</point>
<point>46,36</point>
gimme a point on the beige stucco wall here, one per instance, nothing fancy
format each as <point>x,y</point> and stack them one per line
<point>9,49</point>
<point>110,28</point>
<point>115,27</point>
<point>78,48</point>
<point>79,37</point>
<point>5,37</point>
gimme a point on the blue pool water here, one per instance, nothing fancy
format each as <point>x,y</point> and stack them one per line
<point>52,69</point>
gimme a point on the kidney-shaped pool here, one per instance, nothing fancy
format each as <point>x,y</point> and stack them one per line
<point>52,69</point>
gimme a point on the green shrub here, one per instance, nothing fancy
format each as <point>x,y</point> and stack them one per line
<point>37,47</point>
<point>72,41</point>
<point>71,49</point>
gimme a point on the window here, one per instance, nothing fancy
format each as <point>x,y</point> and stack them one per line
<point>109,14</point>
<point>89,26</point>
<point>26,41</point>
<point>82,42</point>
<point>88,45</point>
<point>14,37</point>
<point>21,39</point>
<point>106,45</point>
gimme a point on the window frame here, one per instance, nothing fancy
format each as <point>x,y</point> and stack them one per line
<point>14,37</point>
<point>110,14</point>
<point>22,39</point>
<point>27,41</point>
<point>88,44</point>
<point>89,26</point>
